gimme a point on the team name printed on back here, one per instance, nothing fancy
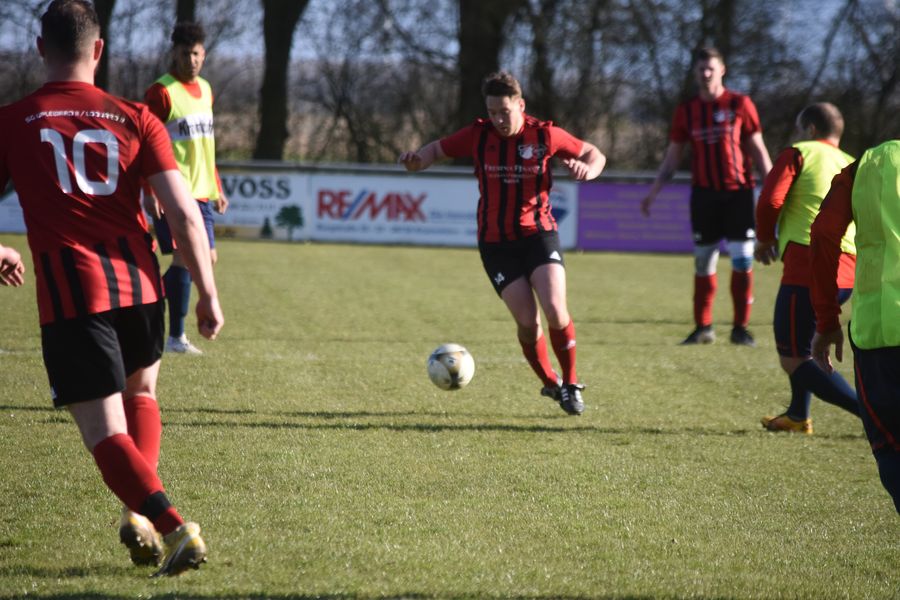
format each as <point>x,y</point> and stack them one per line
<point>86,114</point>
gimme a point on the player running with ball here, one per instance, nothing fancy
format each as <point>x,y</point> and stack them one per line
<point>517,234</point>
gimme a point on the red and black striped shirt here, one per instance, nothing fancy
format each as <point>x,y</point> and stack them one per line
<point>716,130</point>
<point>514,175</point>
<point>77,157</point>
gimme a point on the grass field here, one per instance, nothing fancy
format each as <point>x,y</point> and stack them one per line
<point>322,463</point>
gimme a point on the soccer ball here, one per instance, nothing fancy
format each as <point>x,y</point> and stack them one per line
<point>451,367</point>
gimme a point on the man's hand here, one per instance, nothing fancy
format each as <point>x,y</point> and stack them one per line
<point>209,317</point>
<point>766,252</point>
<point>12,270</point>
<point>578,168</point>
<point>411,160</point>
<point>221,205</point>
<point>821,346</point>
<point>646,203</point>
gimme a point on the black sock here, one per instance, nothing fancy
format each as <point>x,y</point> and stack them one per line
<point>833,388</point>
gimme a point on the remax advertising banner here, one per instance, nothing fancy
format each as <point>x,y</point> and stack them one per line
<point>395,210</point>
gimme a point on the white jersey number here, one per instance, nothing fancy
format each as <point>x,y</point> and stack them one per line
<point>98,187</point>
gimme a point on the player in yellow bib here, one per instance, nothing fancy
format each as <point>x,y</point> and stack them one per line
<point>183,101</point>
<point>791,196</point>
<point>867,193</point>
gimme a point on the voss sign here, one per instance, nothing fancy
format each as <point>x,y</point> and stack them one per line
<point>394,209</point>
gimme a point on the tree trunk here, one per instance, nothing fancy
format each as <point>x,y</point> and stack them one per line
<point>280,18</point>
<point>480,41</point>
<point>104,10</point>
<point>186,11</point>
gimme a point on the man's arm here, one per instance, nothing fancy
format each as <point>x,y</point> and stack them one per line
<point>12,269</point>
<point>756,147</point>
<point>588,165</point>
<point>665,174</point>
<point>422,158</point>
<point>187,228</point>
<point>830,225</point>
<point>771,200</point>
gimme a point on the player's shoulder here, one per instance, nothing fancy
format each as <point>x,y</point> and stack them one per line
<point>737,98</point>
<point>535,123</point>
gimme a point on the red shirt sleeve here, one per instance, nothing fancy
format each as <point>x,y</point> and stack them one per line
<point>830,225</point>
<point>750,123</point>
<point>680,133</point>
<point>775,189</point>
<point>564,143</point>
<point>156,150</point>
<point>157,98</point>
<point>458,144</point>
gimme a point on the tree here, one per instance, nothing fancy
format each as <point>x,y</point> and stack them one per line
<point>104,10</point>
<point>280,18</point>
<point>185,10</point>
<point>481,26</point>
<point>289,217</point>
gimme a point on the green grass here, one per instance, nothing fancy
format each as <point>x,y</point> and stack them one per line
<point>322,463</point>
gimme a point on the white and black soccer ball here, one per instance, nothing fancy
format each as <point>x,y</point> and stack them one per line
<point>451,367</point>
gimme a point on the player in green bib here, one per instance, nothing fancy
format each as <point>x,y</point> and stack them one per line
<point>866,193</point>
<point>183,101</point>
<point>789,202</point>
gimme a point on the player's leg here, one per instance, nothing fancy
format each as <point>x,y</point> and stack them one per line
<point>707,231</point>
<point>502,264</point>
<point>794,326</point>
<point>177,282</point>
<point>519,300</point>
<point>740,232</point>
<point>878,385</point>
<point>547,275</point>
<point>549,282</point>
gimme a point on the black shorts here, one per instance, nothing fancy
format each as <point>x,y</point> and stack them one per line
<point>164,234</point>
<point>795,320</point>
<point>504,262</point>
<point>90,357</point>
<point>717,214</point>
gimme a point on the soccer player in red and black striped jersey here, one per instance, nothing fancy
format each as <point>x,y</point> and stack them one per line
<point>517,234</point>
<point>725,136</point>
<point>77,157</point>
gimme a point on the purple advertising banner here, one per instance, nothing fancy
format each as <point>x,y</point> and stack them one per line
<point>609,218</point>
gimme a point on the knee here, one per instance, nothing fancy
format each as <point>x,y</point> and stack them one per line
<point>741,255</point>
<point>791,363</point>
<point>705,258</point>
<point>557,316</point>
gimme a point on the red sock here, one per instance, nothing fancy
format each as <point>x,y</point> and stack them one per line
<point>536,355</point>
<point>127,474</point>
<point>144,427</point>
<point>563,342</point>
<point>742,296</point>
<point>704,293</point>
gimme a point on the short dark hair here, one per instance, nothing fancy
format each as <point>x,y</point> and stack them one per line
<point>825,117</point>
<point>188,33</point>
<point>68,29</point>
<point>707,53</point>
<point>501,83</point>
